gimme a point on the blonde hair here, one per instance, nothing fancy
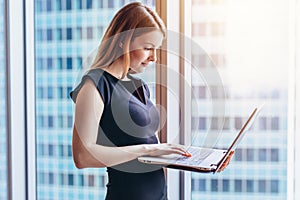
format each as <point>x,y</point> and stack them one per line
<point>131,21</point>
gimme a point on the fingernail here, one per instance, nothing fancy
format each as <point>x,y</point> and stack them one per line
<point>187,154</point>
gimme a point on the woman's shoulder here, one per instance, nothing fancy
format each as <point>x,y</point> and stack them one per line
<point>95,74</point>
<point>100,79</point>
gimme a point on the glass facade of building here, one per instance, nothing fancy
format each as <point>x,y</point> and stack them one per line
<point>66,32</point>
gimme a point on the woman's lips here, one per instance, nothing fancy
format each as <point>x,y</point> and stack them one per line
<point>144,64</point>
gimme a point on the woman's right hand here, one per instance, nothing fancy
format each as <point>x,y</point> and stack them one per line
<point>165,149</point>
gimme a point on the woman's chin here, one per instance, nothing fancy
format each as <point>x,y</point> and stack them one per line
<point>136,71</point>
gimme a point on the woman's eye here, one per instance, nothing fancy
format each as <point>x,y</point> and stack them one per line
<point>148,49</point>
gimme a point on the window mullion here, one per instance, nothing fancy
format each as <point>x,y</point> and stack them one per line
<point>185,90</point>
<point>30,100</point>
<point>294,177</point>
<point>15,100</point>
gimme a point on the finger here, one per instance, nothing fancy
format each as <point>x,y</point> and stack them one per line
<point>224,165</point>
<point>180,151</point>
<point>180,148</point>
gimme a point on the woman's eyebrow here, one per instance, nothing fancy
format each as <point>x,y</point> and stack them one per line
<point>150,43</point>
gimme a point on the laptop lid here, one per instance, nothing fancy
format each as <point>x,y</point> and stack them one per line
<point>247,125</point>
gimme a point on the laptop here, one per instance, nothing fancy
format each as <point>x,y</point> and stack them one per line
<point>202,159</point>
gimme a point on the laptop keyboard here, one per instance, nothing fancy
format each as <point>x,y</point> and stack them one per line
<point>197,156</point>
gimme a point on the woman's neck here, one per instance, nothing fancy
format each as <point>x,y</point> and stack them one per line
<point>116,69</point>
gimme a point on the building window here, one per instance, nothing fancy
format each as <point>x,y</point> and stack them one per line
<point>49,63</point>
<point>68,4</point>
<point>38,6</point>
<point>49,5</point>
<point>91,180</point>
<point>238,155</point>
<point>59,63</point>
<point>225,185</point>
<point>89,4</point>
<point>200,61</point>
<point>80,180</point>
<point>39,93</point>
<point>100,4</point>
<point>262,186</point>
<point>69,150</point>
<point>50,121</point>
<point>50,92</point>
<point>238,123</point>
<point>111,4</point>
<point>238,185</point>
<point>199,92</point>
<point>274,186</point>
<point>69,63</point>
<point>274,155</point>
<point>250,154</point>
<point>62,179</point>
<point>262,155</point>
<point>250,185</point>
<point>41,150</point>
<point>79,4</point>
<point>226,125</point>
<point>214,185</point>
<point>41,178</point>
<point>70,121</point>
<point>70,179</point>
<point>275,123</point>
<point>199,28</point>
<point>262,123</point>
<point>51,150</point>
<point>58,34</point>
<point>217,28</point>
<point>202,185</point>
<point>89,33</point>
<point>69,34</point>
<point>202,123</point>
<point>49,35</point>
<point>51,178</point>
<point>61,150</point>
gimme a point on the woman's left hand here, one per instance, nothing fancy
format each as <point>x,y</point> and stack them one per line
<point>227,161</point>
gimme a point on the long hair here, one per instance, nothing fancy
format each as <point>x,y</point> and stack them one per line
<point>131,21</point>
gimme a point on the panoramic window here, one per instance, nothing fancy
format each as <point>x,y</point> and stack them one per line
<point>66,34</point>
<point>246,44</point>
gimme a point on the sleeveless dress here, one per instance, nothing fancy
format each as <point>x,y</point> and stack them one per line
<point>129,118</point>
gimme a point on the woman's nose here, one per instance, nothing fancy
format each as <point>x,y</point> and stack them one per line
<point>152,56</point>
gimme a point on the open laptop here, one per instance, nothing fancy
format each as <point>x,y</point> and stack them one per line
<point>202,159</point>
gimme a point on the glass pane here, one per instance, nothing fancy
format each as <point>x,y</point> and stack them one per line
<point>246,45</point>
<point>3,136</point>
<point>66,33</point>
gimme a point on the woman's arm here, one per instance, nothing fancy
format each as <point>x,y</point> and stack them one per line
<point>86,153</point>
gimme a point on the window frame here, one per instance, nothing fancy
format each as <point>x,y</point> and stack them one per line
<point>297,99</point>
<point>16,101</point>
<point>293,107</point>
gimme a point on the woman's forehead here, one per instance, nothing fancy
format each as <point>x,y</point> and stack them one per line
<point>154,37</point>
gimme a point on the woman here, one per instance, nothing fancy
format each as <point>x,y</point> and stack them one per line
<point>115,121</point>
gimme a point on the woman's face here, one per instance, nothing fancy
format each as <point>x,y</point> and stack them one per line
<point>143,50</point>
